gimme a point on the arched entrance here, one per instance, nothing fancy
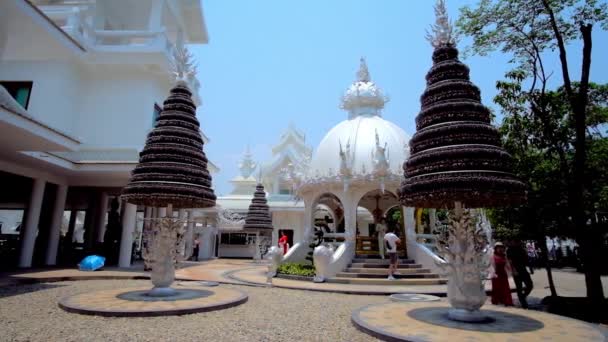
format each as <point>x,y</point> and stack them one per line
<point>328,214</point>
<point>386,213</point>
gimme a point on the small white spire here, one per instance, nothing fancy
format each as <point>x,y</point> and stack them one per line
<point>363,73</point>
<point>247,165</point>
<point>442,32</point>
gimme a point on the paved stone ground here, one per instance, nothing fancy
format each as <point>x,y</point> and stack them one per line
<point>30,313</point>
<point>429,322</point>
<point>568,283</point>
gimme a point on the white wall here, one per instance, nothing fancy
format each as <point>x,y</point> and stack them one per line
<point>117,106</point>
<point>55,92</point>
<point>289,220</point>
<point>102,106</point>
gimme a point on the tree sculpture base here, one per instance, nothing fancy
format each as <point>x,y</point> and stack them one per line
<point>464,247</point>
<point>166,241</point>
<point>463,315</point>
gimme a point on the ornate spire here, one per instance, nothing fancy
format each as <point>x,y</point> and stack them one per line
<point>182,64</point>
<point>363,97</point>
<point>442,31</point>
<point>363,73</point>
<point>247,165</point>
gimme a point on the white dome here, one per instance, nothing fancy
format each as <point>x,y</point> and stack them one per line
<point>359,138</point>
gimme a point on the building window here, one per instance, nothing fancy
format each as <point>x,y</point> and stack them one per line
<point>19,90</point>
<point>156,114</point>
<point>237,238</point>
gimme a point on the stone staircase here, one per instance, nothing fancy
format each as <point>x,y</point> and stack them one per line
<point>372,270</point>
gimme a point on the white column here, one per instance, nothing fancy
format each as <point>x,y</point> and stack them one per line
<point>350,216</point>
<point>409,221</point>
<point>432,219</point>
<point>31,223</point>
<point>154,21</point>
<point>126,240</point>
<point>102,210</point>
<point>161,212</point>
<point>308,221</point>
<point>57,219</point>
<point>190,232</point>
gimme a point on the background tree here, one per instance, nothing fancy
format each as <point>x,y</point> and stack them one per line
<point>528,30</point>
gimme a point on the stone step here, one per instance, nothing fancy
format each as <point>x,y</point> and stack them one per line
<point>375,255</point>
<point>381,261</point>
<point>379,265</point>
<point>385,270</point>
<point>385,274</point>
<point>384,281</point>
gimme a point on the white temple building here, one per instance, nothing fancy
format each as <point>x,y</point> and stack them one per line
<point>347,188</point>
<point>81,85</point>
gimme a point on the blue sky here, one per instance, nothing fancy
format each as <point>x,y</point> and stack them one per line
<point>272,62</point>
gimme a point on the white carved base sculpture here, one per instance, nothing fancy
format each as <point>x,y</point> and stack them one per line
<point>275,255</point>
<point>464,247</point>
<point>321,256</point>
<point>165,241</point>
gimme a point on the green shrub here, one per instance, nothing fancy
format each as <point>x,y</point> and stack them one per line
<point>293,268</point>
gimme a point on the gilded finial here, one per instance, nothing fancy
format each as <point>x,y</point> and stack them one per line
<point>363,73</point>
<point>442,31</point>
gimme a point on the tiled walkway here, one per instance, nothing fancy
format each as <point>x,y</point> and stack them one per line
<point>429,322</point>
<point>249,272</point>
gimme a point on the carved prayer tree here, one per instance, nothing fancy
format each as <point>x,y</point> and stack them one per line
<point>172,173</point>
<point>456,161</point>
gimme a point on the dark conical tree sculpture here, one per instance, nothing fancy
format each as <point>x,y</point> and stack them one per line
<point>457,161</point>
<point>258,216</point>
<point>172,172</point>
<point>172,168</point>
<point>456,154</point>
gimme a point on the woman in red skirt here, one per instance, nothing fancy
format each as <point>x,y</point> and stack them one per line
<point>501,292</point>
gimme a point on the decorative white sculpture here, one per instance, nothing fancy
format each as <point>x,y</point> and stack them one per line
<point>464,247</point>
<point>322,257</point>
<point>165,242</point>
<point>275,255</point>
<point>443,30</point>
<point>380,158</point>
<point>247,165</point>
<point>229,218</point>
<point>381,230</point>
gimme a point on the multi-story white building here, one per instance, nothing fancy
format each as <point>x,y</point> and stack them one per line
<point>82,84</point>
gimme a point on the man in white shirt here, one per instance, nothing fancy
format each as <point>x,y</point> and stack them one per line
<point>392,241</point>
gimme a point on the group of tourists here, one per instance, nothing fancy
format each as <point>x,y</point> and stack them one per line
<point>511,260</point>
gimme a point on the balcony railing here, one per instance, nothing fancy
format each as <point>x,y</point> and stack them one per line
<point>77,23</point>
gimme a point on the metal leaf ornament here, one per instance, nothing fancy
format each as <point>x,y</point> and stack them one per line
<point>442,31</point>
<point>183,65</point>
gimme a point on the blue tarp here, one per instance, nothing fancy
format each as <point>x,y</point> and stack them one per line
<point>92,263</point>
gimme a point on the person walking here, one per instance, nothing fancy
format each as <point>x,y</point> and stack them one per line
<point>392,241</point>
<point>501,292</point>
<point>518,258</point>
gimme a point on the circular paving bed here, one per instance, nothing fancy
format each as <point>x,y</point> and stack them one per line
<point>424,321</point>
<point>413,297</point>
<point>134,302</point>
